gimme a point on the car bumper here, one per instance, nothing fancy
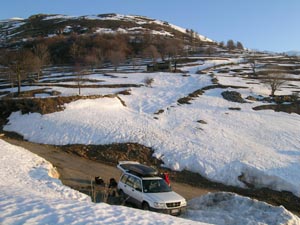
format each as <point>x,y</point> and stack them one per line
<point>173,211</point>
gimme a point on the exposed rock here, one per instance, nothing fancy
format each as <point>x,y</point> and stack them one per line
<point>251,98</point>
<point>159,112</point>
<point>234,108</point>
<point>233,96</point>
<point>202,121</point>
<point>288,108</point>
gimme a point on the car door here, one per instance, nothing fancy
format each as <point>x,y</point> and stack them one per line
<point>122,183</point>
<point>128,184</point>
<point>136,191</point>
<point>133,188</point>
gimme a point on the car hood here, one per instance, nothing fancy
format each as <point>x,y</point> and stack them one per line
<point>165,197</point>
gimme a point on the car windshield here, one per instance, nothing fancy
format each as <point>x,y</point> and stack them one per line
<point>155,186</point>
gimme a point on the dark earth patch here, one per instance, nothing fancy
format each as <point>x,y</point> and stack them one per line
<point>234,108</point>
<point>197,93</point>
<point>233,96</point>
<point>288,108</point>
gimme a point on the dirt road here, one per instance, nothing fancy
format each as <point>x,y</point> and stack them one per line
<point>77,172</point>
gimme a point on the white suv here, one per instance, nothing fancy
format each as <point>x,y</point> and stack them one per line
<point>141,185</point>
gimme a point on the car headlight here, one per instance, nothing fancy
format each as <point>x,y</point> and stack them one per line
<point>159,205</point>
<point>183,203</point>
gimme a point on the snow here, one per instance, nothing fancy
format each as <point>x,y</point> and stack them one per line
<point>68,29</point>
<point>54,17</point>
<point>225,208</point>
<point>163,33</point>
<point>110,31</point>
<point>201,37</point>
<point>30,194</point>
<point>261,145</point>
<point>210,63</point>
<point>131,30</point>
<point>132,18</point>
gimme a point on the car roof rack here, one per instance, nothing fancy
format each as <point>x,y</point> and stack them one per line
<point>137,169</point>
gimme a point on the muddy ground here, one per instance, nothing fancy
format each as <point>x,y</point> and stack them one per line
<point>78,165</point>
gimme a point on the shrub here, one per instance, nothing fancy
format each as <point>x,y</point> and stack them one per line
<point>148,81</point>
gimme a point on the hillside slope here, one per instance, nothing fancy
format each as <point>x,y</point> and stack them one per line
<point>41,25</point>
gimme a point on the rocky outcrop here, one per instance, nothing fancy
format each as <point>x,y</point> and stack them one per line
<point>233,96</point>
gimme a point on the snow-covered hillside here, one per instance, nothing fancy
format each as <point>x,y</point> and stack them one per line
<point>51,25</point>
<point>262,146</point>
<point>29,195</point>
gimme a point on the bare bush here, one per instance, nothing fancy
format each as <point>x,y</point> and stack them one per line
<point>274,81</point>
<point>148,81</point>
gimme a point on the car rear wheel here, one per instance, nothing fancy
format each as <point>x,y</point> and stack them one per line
<point>145,206</point>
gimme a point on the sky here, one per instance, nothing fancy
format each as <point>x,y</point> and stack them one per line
<point>271,25</point>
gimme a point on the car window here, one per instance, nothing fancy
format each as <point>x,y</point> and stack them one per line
<point>137,184</point>
<point>130,181</point>
<point>124,178</point>
<point>155,186</point>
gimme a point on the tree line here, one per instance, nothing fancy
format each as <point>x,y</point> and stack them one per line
<point>27,61</point>
<point>95,51</point>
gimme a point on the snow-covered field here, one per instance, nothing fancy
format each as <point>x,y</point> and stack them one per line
<point>261,145</point>
<point>29,194</point>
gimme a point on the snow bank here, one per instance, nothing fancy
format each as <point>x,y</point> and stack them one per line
<point>29,196</point>
<point>228,208</point>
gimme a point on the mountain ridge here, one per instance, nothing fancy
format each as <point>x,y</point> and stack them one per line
<point>47,25</point>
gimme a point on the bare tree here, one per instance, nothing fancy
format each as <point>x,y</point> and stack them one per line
<point>94,58</point>
<point>161,45</point>
<point>75,52</point>
<point>79,76</point>
<point>239,45</point>
<point>230,45</point>
<point>253,64</point>
<point>151,52</point>
<point>175,50</point>
<point>4,62</point>
<point>116,57</point>
<point>78,60</point>
<point>100,56</point>
<point>21,64</point>
<point>42,57</point>
<point>210,50</point>
<point>221,44</point>
<point>274,81</point>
